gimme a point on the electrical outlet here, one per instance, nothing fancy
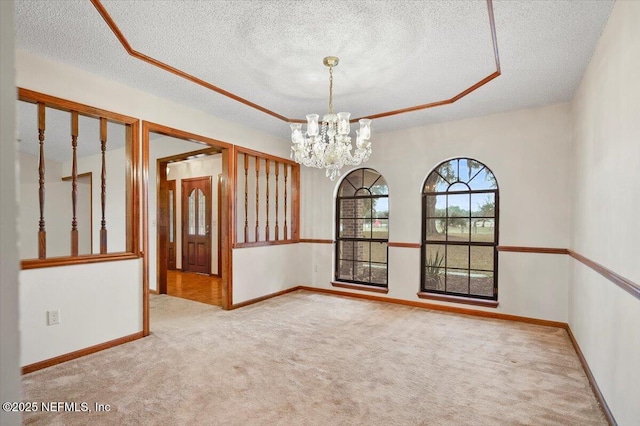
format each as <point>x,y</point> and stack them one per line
<point>315,268</point>
<point>53,317</point>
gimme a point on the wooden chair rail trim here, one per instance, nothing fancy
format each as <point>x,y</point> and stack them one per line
<point>264,243</point>
<point>545,250</point>
<point>81,352</point>
<point>404,245</point>
<point>362,287</point>
<point>315,241</point>
<point>168,68</point>
<point>32,96</point>
<point>77,260</point>
<point>622,282</point>
<point>458,299</point>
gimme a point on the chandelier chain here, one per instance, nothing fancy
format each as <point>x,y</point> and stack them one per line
<point>330,90</point>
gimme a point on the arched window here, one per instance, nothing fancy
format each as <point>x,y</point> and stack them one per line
<point>460,230</point>
<point>362,228</point>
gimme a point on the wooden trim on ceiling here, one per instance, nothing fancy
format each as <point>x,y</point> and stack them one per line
<point>622,282</point>
<point>315,241</point>
<point>592,380</point>
<point>445,308</point>
<point>168,68</point>
<point>79,353</point>
<point>457,299</point>
<point>404,245</point>
<point>361,287</point>
<point>152,61</point>
<point>546,250</point>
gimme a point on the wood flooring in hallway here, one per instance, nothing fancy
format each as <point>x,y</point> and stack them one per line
<point>193,286</point>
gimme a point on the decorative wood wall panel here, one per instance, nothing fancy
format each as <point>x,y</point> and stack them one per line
<point>75,111</point>
<point>263,180</point>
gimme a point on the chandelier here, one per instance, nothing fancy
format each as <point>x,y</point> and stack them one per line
<point>329,146</point>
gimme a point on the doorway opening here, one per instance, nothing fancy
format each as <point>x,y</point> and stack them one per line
<point>189,204</point>
<point>189,216</point>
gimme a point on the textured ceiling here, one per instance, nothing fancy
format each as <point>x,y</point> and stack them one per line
<point>393,54</point>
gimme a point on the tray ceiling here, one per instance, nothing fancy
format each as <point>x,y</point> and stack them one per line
<point>393,55</point>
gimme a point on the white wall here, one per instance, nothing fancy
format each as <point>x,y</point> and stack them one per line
<point>9,263</point>
<point>98,302</point>
<point>57,79</point>
<point>527,150</point>
<point>258,271</point>
<point>606,190</point>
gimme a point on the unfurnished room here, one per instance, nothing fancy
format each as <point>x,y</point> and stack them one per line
<point>320,212</point>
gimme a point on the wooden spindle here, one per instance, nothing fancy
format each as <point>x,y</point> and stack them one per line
<point>103,186</point>
<point>286,172</point>
<point>266,169</point>
<point>257,198</point>
<point>42,233</point>
<point>246,198</point>
<point>277,229</point>
<point>74,182</point>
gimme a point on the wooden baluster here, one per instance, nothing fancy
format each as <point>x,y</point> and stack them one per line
<point>257,198</point>
<point>74,182</point>
<point>42,233</point>
<point>103,186</point>
<point>246,197</point>
<point>277,229</point>
<point>286,172</point>
<point>267,172</point>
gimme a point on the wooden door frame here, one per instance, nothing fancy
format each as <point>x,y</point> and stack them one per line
<point>170,185</point>
<point>183,216</point>
<point>162,214</point>
<point>225,226</point>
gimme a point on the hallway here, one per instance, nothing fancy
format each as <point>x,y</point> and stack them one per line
<point>193,286</point>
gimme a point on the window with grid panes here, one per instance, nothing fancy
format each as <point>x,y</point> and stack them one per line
<point>460,230</point>
<point>362,228</point>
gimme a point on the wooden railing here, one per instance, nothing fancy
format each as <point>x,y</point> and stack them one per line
<point>76,110</point>
<point>267,201</point>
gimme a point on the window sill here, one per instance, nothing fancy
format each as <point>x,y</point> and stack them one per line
<point>458,299</point>
<point>362,287</point>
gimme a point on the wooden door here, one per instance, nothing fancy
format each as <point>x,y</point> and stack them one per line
<point>196,225</point>
<point>171,232</point>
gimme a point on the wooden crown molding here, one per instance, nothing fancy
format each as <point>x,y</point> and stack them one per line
<point>168,68</point>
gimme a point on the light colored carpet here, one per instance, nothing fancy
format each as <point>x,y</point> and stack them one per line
<point>312,359</point>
